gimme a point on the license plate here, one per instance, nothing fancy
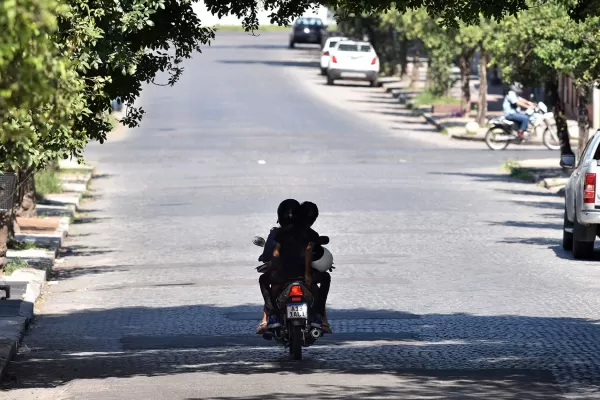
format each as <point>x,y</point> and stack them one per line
<point>297,311</point>
<point>353,75</point>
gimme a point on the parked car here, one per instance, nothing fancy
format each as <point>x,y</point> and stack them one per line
<point>307,30</point>
<point>330,44</point>
<point>582,200</point>
<point>353,60</point>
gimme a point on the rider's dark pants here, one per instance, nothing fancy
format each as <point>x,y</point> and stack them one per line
<point>522,119</point>
<point>324,279</point>
<point>267,279</point>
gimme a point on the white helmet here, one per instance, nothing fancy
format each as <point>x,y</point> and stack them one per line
<point>325,262</point>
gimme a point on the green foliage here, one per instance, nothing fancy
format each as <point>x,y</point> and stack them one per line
<point>429,98</point>
<point>14,265</point>
<point>38,88</point>
<point>47,181</point>
<point>121,46</point>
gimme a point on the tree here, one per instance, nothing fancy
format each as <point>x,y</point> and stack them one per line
<point>572,50</point>
<point>40,93</point>
<point>516,51</point>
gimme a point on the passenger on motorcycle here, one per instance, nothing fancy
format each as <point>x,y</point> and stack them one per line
<point>512,111</point>
<point>309,213</point>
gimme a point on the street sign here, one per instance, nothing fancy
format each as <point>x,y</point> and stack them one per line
<point>8,184</point>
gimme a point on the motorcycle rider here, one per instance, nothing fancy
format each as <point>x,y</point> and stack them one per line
<point>512,111</point>
<point>287,213</point>
<point>309,213</point>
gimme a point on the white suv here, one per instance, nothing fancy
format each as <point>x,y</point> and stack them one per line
<point>325,56</point>
<point>353,60</point>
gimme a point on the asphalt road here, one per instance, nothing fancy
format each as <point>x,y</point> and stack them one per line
<point>451,282</point>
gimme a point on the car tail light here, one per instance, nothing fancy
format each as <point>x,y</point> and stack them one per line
<point>325,53</point>
<point>589,191</point>
<point>333,59</point>
<point>374,61</point>
<point>296,291</point>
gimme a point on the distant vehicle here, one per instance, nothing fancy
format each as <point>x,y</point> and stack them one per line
<point>353,60</point>
<point>325,56</point>
<point>307,30</point>
<point>582,200</point>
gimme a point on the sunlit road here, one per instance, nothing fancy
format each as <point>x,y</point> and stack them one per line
<point>450,281</point>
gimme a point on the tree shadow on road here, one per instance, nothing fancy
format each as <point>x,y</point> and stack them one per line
<point>528,224</point>
<point>297,63</point>
<point>492,357</point>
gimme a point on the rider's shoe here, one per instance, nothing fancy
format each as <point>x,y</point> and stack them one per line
<point>317,322</point>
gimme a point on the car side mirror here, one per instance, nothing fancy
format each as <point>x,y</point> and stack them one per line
<point>567,161</point>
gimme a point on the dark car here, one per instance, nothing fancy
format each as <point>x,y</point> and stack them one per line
<point>307,30</point>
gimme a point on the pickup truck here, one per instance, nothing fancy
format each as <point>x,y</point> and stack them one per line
<point>582,200</point>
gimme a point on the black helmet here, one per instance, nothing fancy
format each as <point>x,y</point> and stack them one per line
<point>287,212</point>
<point>309,212</point>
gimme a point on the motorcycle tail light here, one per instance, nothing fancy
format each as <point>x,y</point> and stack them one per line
<point>296,299</point>
<point>589,190</point>
<point>296,291</point>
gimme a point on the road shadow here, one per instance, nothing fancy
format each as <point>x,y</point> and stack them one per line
<point>528,193</point>
<point>103,176</point>
<point>80,220</point>
<point>297,63</point>
<point>528,224</point>
<point>61,273</point>
<point>82,251</point>
<point>496,354</point>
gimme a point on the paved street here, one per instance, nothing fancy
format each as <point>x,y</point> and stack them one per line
<point>450,280</point>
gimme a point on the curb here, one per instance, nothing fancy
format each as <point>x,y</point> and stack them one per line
<point>12,329</point>
<point>14,325</point>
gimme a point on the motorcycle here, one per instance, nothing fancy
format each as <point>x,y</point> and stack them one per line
<point>297,328</point>
<point>502,132</point>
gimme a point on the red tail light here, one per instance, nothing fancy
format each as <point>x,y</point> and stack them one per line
<point>589,191</point>
<point>333,59</point>
<point>296,291</point>
<point>374,61</point>
<point>325,53</point>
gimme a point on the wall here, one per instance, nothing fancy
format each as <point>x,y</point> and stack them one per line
<point>263,16</point>
<point>568,94</point>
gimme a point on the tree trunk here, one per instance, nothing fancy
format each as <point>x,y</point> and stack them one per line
<point>562,129</point>
<point>27,201</point>
<point>403,55</point>
<point>414,80</point>
<point>583,117</point>
<point>465,99</point>
<point>483,89</point>
<point>5,221</point>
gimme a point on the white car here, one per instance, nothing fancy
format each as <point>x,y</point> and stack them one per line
<point>582,200</point>
<point>327,47</point>
<point>353,60</point>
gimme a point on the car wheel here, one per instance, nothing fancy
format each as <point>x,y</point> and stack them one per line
<point>583,248</point>
<point>373,83</point>
<point>330,80</point>
<point>567,241</point>
<point>291,44</point>
<point>323,71</point>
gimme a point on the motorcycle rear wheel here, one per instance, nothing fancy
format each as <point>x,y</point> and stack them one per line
<point>296,343</point>
<point>491,143</point>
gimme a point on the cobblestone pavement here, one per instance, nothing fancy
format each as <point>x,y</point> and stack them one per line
<point>451,282</point>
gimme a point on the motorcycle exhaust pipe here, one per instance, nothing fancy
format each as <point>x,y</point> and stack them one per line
<point>316,333</point>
